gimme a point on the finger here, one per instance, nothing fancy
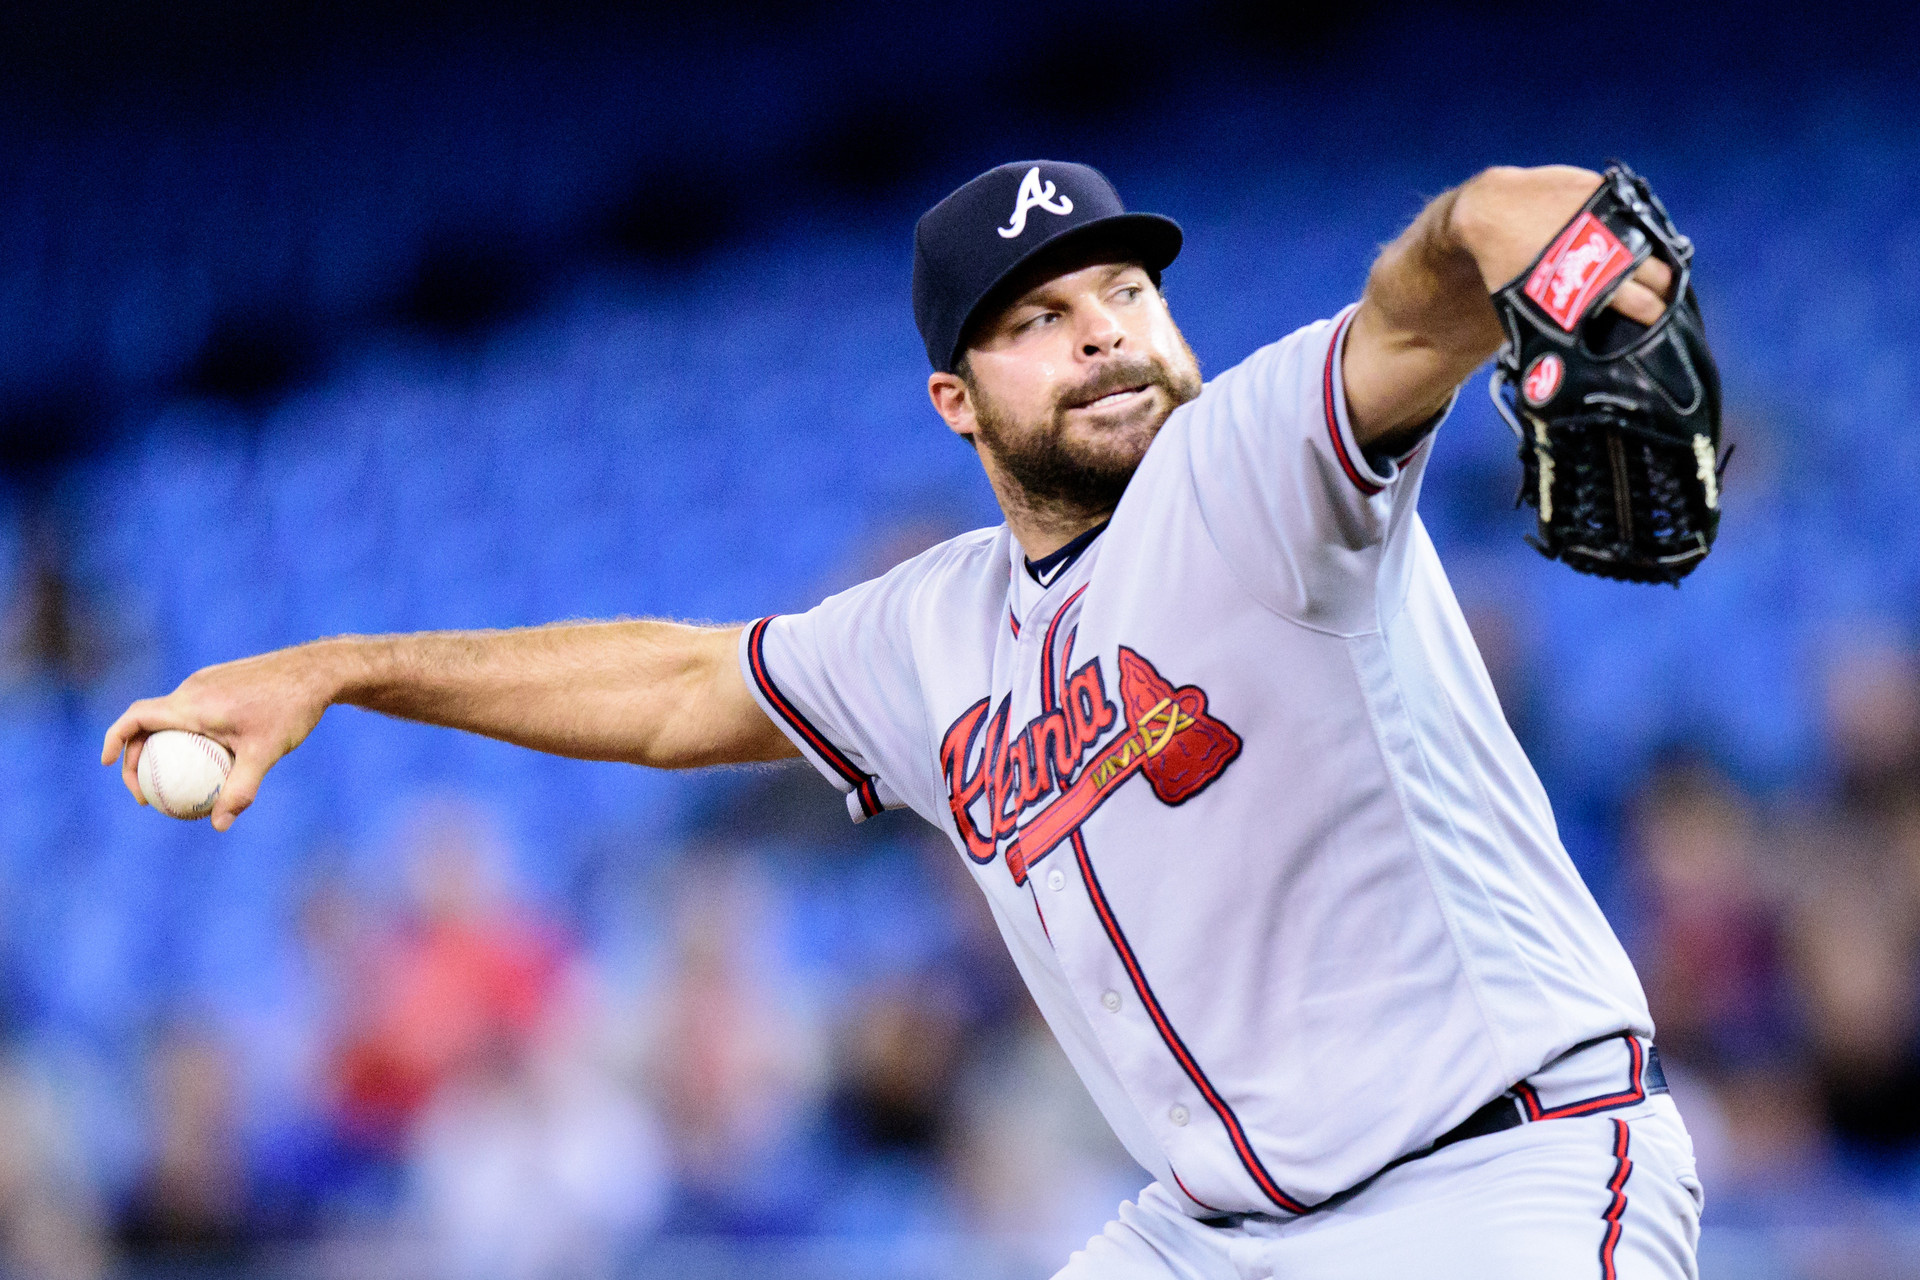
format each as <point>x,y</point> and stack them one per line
<point>130,768</point>
<point>149,715</point>
<point>119,732</point>
<point>1655,275</point>
<point>241,786</point>
<point>1637,302</point>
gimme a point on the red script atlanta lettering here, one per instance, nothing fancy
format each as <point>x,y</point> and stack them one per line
<point>1167,734</point>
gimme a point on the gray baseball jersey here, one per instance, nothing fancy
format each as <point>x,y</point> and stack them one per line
<point>1239,792</point>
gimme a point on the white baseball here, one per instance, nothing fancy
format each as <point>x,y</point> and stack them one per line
<point>181,773</point>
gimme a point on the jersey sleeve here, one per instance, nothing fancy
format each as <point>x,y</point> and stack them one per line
<point>839,681</point>
<point>1306,518</point>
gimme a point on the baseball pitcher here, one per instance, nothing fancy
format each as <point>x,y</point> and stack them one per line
<point>1205,723</point>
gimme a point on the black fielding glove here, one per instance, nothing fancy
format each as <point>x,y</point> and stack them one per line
<point>1619,423</point>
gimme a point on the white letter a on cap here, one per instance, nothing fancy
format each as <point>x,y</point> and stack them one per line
<point>1033,195</point>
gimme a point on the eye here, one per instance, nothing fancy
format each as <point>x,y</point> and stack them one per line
<point>1036,321</point>
<point>1129,292</point>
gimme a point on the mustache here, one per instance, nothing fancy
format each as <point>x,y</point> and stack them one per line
<point>1119,376</point>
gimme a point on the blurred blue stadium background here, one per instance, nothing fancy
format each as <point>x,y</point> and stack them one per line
<point>330,321</point>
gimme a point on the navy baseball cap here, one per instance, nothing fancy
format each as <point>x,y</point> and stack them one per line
<point>973,242</point>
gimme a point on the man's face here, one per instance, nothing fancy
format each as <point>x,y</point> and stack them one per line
<point>1064,390</point>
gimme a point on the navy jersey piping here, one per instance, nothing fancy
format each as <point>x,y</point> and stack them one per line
<point>1636,1090</point>
<point>864,785</point>
<point>1617,1201</point>
<point>1048,696</point>
<point>1236,1132</point>
<point>1360,482</point>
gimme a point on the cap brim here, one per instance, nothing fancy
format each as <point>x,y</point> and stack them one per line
<point>1148,237</point>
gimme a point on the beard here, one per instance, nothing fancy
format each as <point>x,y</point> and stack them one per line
<point>1057,472</point>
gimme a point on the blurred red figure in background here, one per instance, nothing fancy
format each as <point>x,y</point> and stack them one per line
<point>464,982</point>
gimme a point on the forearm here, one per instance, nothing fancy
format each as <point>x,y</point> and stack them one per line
<point>1427,288</point>
<point>653,693</point>
<point>1426,316</point>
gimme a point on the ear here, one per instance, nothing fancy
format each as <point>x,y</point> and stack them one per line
<point>952,402</point>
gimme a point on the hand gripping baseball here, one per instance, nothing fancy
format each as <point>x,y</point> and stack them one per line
<point>258,708</point>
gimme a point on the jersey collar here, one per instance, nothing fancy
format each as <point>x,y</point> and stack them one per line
<point>1025,590</point>
<point>1049,568</point>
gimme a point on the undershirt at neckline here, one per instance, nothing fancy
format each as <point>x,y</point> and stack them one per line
<point>1047,569</point>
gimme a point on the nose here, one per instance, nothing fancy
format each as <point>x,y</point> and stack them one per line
<point>1101,334</point>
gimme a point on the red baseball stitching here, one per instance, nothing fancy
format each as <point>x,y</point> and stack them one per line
<point>216,755</point>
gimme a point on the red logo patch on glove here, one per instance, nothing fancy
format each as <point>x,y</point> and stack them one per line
<point>1576,268</point>
<point>1543,379</point>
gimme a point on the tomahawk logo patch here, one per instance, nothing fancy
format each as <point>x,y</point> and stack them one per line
<point>1059,766</point>
<point>1034,194</point>
<point>1576,269</point>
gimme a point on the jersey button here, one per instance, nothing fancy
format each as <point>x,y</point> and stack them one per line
<point>1178,1114</point>
<point>1056,880</point>
<point>1112,1000</point>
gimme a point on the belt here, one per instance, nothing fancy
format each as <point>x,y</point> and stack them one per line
<point>1519,1105</point>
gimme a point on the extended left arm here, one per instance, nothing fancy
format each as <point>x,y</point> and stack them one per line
<point>1426,320</point>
